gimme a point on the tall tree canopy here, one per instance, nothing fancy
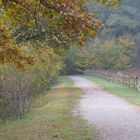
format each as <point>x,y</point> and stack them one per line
<point>119,21</point>
<point>58,22</point>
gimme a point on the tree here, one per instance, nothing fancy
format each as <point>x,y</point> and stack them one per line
<point>118,54</point>
<point>59,22</point>
<point>119,20</point>
<point>104,54</point>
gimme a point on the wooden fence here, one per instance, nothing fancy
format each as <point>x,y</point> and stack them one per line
<point>127,80</point>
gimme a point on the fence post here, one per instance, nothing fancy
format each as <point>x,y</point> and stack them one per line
<point>136,81</point>
<point>129,81</point>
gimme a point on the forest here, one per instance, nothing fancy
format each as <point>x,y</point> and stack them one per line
<point>40,40</point>
<point>35,36</point>
<point>116,47</point>
<point>44,43</point>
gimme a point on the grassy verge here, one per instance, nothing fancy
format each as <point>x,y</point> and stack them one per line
<point>130,95</point>
<point>50,117</point>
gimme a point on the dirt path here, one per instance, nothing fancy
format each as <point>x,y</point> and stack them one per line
<point>112,118</point>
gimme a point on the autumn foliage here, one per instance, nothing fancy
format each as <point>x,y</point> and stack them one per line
<point>58,22</point>
<point>34,37</point>
<point>109,54</point>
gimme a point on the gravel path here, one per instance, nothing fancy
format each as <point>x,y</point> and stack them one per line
<point>112,117</point>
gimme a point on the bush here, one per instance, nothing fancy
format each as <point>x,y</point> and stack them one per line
<point>17,87</point>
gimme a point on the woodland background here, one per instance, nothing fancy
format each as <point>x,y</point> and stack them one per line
<point>41,39</point>
<point>116,47</point>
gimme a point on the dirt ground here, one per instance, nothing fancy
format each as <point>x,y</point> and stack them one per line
<point>111,117</point>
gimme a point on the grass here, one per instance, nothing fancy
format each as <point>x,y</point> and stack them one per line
<point>50,117</point>
<point>130,95</point>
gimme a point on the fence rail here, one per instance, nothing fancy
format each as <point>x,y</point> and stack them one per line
<point>127,80</point>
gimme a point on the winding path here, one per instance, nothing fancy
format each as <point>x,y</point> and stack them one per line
<point>112,117</point>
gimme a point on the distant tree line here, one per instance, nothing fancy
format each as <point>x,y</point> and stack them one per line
<point>108,54</point>
<point>117,46</point>
<point>34,37</point>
